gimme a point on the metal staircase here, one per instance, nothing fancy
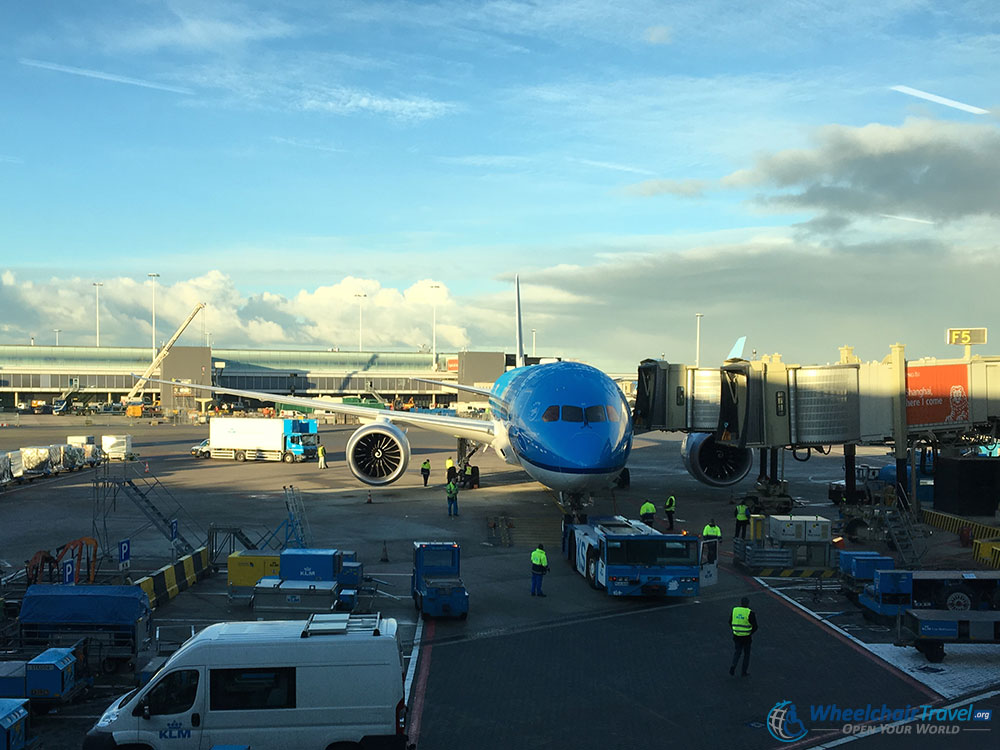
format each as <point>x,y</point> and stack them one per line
<point>148,494</point>
<point>899,527</point>
<point>297,532</point>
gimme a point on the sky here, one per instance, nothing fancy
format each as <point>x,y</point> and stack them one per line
<point>808,173</point>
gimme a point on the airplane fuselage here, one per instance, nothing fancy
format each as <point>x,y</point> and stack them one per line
<point>565,423</point>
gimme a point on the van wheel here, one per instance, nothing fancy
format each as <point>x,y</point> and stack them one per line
<point>240,456</point>
<point>343,746</point>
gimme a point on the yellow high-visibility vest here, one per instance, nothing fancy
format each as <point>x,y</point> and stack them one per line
<point>742,513</point>
<point>647,507</point>
<point>710,530</point>
<point>670,503</point>
<point>741,621</point>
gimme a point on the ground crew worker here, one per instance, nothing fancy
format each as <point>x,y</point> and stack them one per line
<point>647,512</point>
<point>467,477</point>
<point>712,534</point>
<point>451,492</point>
<point>742,520</point>
<point>539,567</point>
<point>425,470</point>
<point>669,506</point>
<point>449,467</point>
<point>744,624</point>
<point>321,456</point>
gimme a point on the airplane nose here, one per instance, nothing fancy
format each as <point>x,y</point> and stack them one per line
<point>590,449</point>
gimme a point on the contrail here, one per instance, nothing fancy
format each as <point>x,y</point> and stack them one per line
<point>104,76</point>
<point>940,100</point>
<point>906,218</point>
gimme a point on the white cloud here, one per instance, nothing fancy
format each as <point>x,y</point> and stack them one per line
<point>658,35</point>
<point>682,188</point>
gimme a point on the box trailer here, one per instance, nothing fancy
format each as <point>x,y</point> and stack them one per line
<point>262,439</point>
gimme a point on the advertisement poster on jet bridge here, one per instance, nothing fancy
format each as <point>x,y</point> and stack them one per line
<point>937,394</point>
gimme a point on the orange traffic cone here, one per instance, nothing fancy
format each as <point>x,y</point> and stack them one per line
<point>147,468</point>
<point>369,497</point>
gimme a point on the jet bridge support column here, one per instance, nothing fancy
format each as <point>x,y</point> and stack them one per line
<point>899,427</point>
<point>774,466</point>
<point>850,479</point>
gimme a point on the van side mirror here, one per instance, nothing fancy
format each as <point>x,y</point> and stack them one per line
<point>144,708</point>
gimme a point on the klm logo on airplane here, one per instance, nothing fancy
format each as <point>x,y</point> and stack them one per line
<point>174,731</point>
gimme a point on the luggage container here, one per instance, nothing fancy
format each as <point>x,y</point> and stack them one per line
<point>117,447</point>
<point>309,564</point>
<point>246,567</point>
<point>14,724</point>
<point>275,595</point>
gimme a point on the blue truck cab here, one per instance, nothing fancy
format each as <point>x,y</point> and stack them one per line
<point>630,558</point>
<point>436,583</point>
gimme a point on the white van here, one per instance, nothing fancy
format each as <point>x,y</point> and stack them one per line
<point>334,681</point>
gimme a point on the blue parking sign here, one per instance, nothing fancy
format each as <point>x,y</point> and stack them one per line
<point>124,550</point>
<point>69,571</point>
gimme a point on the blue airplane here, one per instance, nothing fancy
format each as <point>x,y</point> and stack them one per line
<point>566,424</point>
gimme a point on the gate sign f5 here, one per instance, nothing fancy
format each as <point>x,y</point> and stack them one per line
<point>966,336</point>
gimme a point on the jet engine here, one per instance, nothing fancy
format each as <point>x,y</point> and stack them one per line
<point>714,464</point>
<point>378,453</point>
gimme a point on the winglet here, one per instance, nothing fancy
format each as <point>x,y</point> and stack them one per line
<point>737,351</point>
<point>519,362</point>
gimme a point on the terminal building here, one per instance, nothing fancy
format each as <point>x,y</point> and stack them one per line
<point>88,375</point>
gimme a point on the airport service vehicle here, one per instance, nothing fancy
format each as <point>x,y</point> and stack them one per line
<point>253,439</point>
<point>894,591</point>
<point>436,584</point>
<point>929,629</point>
<point>335,680</point>
<point>630,558</point>
<point>202,449</point>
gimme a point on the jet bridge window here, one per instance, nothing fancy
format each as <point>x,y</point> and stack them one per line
<point>551,414</point>
<point>572,413</point>
<point>595,413</point>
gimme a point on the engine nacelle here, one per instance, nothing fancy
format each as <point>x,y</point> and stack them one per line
<point>714,464</point>
<point>378,453</point>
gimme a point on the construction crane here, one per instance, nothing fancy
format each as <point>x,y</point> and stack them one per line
<point>130,396</point>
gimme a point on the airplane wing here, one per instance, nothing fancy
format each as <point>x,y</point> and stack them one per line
<point>460,427</point>
<point>455,386</point>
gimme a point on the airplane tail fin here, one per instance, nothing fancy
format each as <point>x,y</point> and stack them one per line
<point>519,362</point>
<point>737,351</point>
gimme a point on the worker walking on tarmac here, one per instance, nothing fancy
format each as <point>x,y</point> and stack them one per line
<point>425,470</point>
<point>321,456</point>
<point>449,467</point>
<point>669,506</point>
<point>467,476</point>
<point>451,492</point>
<point>744,624</point>
<point>539,567</point>
<point>712,534</point>
<point>647,512</point>
<point>742,514</point>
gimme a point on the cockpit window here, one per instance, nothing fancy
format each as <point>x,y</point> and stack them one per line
<point>595,413</point>
<point>551,414</point>
<point>572,413</point>
<point>613,414</point>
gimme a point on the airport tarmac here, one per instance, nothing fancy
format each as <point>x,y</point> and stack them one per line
<point>575,669</point>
